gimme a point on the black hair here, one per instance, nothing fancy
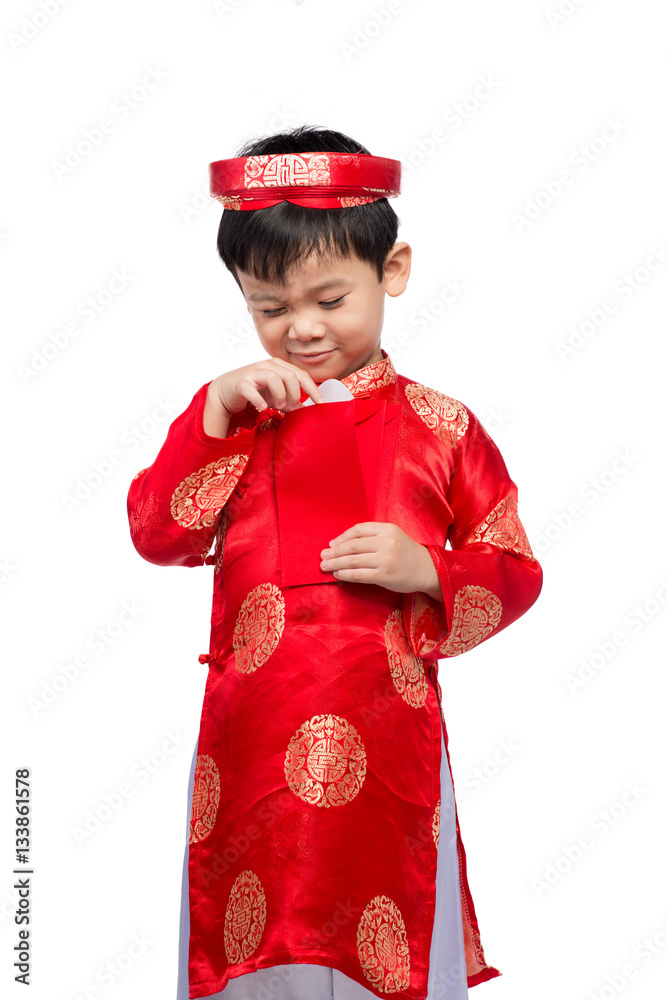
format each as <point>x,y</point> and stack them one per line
<point>269,242</point>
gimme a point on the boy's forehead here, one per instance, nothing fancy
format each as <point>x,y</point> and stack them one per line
<point>312,275</point>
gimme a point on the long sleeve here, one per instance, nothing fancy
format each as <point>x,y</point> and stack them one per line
<point>173,506</point>
<point>489,577</point>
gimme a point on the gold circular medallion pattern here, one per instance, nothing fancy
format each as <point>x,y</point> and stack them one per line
<point>446,417</point>
<point>205,798</point>
<point>477,611</point>
<point>197,501</point>
<point>407,670</point>
<point>325,764</point>
<point>502,528</point>
<point>382,945</point>
<point>245,917</point>
<point>436,824</point>
<point>259,626</point>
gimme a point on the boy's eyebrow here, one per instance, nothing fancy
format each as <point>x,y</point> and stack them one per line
<point>262,297</point>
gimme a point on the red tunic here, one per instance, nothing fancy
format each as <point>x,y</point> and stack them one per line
<point>317,778</point>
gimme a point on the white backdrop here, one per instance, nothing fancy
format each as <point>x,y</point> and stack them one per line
<point>532,138</point>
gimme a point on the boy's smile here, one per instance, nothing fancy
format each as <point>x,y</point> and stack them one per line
<point>327,319</point>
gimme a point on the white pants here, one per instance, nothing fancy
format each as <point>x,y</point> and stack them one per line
<point>447,975</point>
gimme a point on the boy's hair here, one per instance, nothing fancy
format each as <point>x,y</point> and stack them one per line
<point>269,242</point>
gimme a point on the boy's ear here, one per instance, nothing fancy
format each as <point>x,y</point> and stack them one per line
<point>397,268</point>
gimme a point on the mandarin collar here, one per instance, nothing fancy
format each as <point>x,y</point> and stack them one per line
<point>373,376</point>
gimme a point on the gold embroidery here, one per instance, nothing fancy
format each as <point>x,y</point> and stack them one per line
<point>407,670</point>
<point>373,376</point>
<point>477,611</point>
<point>220,534</point>
<point>286,170</point>
<point>435,826</point>
<point>259,626</point>
<point>382,945</point>
<point>446,417</point>
<point>245,917</point>
<point>502,528</point>
<point>197,501</point>
<point>205,798</point>
<point>353,200</point>
<point>325,764</point>
<point>229,201</point>
<point>140,473</point>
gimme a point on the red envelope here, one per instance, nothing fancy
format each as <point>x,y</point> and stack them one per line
<point>327,461</point>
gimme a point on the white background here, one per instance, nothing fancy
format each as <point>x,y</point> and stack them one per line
<point>137,203</point>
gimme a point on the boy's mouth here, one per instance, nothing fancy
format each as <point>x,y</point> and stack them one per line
<point>313,358</point>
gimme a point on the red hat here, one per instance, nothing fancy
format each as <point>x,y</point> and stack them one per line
<point>316,180</point>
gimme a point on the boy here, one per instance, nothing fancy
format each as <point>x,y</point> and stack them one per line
<point>325,857</point>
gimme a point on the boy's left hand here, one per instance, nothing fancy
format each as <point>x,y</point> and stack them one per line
<point>381,553</point>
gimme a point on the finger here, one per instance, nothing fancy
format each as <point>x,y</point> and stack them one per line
<point>359,575</point>
<point>305,380</point>
<point>247,389</point>
<point>357,531</point>
<point>367,544</point>
<point>352,560</point>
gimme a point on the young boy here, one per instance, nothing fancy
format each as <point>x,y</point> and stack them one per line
<point>325,856</point>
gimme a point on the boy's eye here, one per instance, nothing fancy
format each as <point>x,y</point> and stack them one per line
<point>331,302</point>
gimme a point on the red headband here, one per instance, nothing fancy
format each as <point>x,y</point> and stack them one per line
<point>316,180</point>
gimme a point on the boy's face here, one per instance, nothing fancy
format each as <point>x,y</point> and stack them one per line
<point>330,331</point>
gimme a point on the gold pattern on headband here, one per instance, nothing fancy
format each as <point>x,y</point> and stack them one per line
<point>407,670</point>
<point>229,201</point>
<point>374,376</point>
<point>197,501</point>
<point>259,626</point>
<point>325,764</point>
<point>477,611</point>
<point>502,528</point>
<point>287,170</point>
<point>382,946</point>
<point>245,917</point>
<point>446,417</point>
<point>435,825</point>
<point>354,200</point>
<point>205,798</point>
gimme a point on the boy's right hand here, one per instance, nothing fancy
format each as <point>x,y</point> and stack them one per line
<point>272,382</point>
